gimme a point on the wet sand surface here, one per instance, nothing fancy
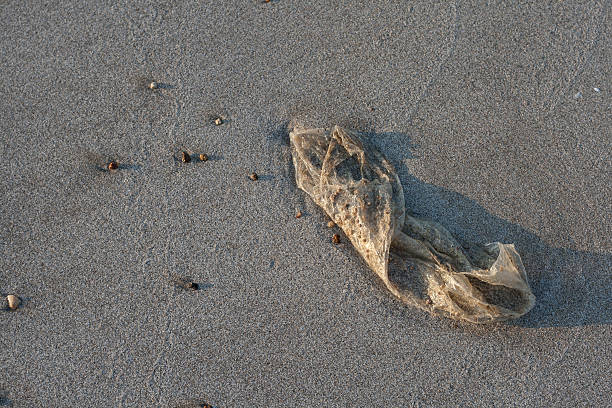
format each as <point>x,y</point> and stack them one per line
<point>497,118</point>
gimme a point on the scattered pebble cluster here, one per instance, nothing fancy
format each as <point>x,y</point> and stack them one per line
<point>14,301</point>
<point>186,157</point>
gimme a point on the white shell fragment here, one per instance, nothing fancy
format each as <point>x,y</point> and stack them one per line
<point>13,301</point>
<point>361,192</point>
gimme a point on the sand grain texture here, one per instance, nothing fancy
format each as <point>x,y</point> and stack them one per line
<point>461,97</point>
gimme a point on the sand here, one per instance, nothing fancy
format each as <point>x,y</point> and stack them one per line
<point>488,111</point>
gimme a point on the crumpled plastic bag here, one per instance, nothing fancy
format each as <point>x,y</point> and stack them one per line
<point>361,192</point>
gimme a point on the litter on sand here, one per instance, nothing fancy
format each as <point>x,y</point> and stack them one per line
<point>361,192</point>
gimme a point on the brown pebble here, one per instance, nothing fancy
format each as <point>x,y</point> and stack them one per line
<point>203,157</point>
<point>13,301</point>
<point>336,239</point>
<point>153,85</point>
<point>331,224</point>
<point>298,215</point>
<point>218,121</point>
<point>113,165</point>
<point>253,176</point>
<point>185,157</point>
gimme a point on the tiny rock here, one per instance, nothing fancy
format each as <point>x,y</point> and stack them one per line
<point>185,157</point>
<point>331,224</point>
<point>113,165</point>
<point>218,121</point>
<point>298,214</point>
<point>193,286</point>
<point>253,176</point>
<point>203,157</point>
<point>153,85</point>
<point>13,301</point>
<point>336,239</point>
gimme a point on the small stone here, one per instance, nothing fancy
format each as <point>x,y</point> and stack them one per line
<point>13,301</point>
<point>203,157</point>
<point>218,121</point>
<point>336,239</point>
<point>299,214</point>
<point>153,85</point>
<point>253,176</point>
<point>429,301</point>
<point>193,286</point>
<point>113,165</point>
<point>331,224</point>
<point>185,157</point>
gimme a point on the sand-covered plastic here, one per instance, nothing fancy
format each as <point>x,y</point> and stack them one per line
<point>361,192</point>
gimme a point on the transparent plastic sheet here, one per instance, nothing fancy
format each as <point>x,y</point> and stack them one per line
<point>361,192</point>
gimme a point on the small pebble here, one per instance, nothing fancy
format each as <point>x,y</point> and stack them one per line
<point>298,215</point>
<point>596,90</point>
<point>218,121</point>
<point>336,239</point>
<point>331,224</point>
<point>193,285</point>
<point>153,85</point>
<point>185,157</point>
<point>253,176</point>
<point>429,301</point>
<point>203,157</point>
<point>113,165</point>
<point>13,301</point>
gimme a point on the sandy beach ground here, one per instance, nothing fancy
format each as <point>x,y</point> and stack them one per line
<point>496,117</point>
